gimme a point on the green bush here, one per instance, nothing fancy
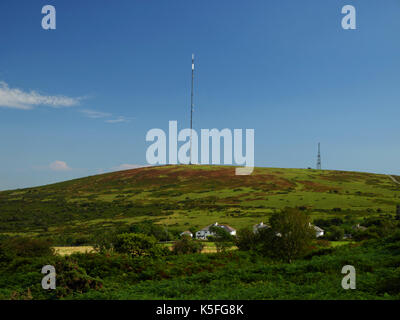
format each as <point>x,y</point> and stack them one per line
<point>335,233</point>
<point>73,279</point>
<point>222,239</point>
<point>148,228</point>
<point>25,247</point>
<point>288,238</point>
<point>104,241</point>
<point>137,244</point>
<point>247,240</point>
<point>187,245</point>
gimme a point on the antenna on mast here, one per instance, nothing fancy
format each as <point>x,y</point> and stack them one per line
<point>191,110</point>
<point>319,158</point>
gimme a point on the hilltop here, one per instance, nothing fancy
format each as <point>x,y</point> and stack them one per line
<point>182,197</point>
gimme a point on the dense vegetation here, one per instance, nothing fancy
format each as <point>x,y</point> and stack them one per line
<point>229,275</point>
<point>134,218</point>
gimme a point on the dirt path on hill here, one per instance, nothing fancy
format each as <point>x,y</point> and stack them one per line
<point>393,179</point>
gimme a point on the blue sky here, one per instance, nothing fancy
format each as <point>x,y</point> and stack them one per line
<point>112,70</point>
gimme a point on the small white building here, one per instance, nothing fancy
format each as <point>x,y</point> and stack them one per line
<point>186,233</point>
<point>260,226</point>
<point>205,232</point>
<point>318,231</point>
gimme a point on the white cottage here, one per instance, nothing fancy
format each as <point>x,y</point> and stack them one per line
<point>318,231</point>
<point>205,232</point>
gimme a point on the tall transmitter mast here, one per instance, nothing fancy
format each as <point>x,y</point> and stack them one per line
<point>191,110</point>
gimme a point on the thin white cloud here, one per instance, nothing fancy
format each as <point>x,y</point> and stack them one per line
<point>95,114</point>
<point>118,120</point>
<point>59,166</point>
<point>99,114</point>
<point>19,99</point>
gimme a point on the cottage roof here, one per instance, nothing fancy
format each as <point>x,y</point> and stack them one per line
<point>316,228</point>
<point>225,226</point>
<point>186,232</point>
<point>261,225</point>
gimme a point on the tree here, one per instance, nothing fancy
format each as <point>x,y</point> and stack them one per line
<point>335,233</point>
<point>187,245</point>
<point>151,229</point>
<point>137,244</point>
<point>104,241</point>
<point>222,238</point>
<point>292,234</point>
<point>246,239</point>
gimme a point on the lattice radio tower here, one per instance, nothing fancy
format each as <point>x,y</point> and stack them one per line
<point>319,158</point>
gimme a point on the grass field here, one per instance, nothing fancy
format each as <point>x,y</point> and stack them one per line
<point>182,197</point>
<point>65,251</point>
<point>209,247</point>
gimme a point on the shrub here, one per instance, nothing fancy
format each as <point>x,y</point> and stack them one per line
<point>73,279</point>
<point>290,235</point>
<point>137,244</point>
<point>391,283</point>
<point>246,239</point>
<point>335,234</point>
<point>25,247</point>
<point>104,241</point>
<point>187,245</point>
<point>365,235</point>
<point>148,228</point>
<point>222,239</point>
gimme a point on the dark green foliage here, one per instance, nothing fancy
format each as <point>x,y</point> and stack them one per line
<point>25,247</point>
<point>290,235</point>
<point>376,227</point>
<point>222,239</point>
<point>233,275</point>
<point>137,244</point>
<point>157,231</point>
<point>368,234</point>
<point>247,240</point>
<point>335,234</point>
<point>326,223</point>
<point>104,241</point>
<point>187,245</point>
<point>73,279</point>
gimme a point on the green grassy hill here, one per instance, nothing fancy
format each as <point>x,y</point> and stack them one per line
<point>183,197</point>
